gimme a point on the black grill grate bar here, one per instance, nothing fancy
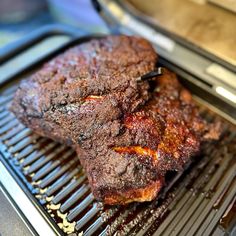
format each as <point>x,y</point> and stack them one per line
<point>12,132</point>
<point>215,216</point>
<point>10,90</point>
<point>227,203</point>
<point>190,202</point>
<point>80,208</point>
<point>154,218</point>
<point>6,98</point>
<point>29,149</point>
<point>46,169</point>
<point>219,231</point>
<point>137,224</point>
<point>121,218</point>
<point>140,218</point>
<point>204,214</point>
<point>62,181</point>
<point>7,119</point>
<point>56,173</point>
<point>9,126</point>
<point>94,227</point>
<point>205,202</point>
<point>104,232</point>
<point>68,189</point>
<point>209,219</point>
<point>74,198</point>
<point>23,143</point>
<point>180,195</point>
<point>194,203</point>
<point>2,109</point>
<point>110,213</point>
<point>199,220</point>
<point>43,160</point>
<point>3,114</point>
<point>148,217</point>
<point>35,155</point>
<point>175,210</point>
<point>150,213</point>
<point>51,165</point>
<point>87,217</point>
<point>24,133</point>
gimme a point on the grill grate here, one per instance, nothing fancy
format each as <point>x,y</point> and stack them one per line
<point>198,201</point>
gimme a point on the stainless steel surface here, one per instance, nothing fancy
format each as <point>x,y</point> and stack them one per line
<point>22,201</point>
<point>9,216</point>
<point>222,74</point>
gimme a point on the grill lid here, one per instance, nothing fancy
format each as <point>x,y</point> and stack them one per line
<point>201,44</point>
<point>199,22</point>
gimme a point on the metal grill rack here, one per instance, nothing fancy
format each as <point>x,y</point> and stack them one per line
<point>200,201</point>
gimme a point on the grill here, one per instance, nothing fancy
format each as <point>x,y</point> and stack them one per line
<point>200,201</point>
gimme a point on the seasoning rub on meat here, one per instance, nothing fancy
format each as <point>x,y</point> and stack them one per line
<point>127,133</point>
